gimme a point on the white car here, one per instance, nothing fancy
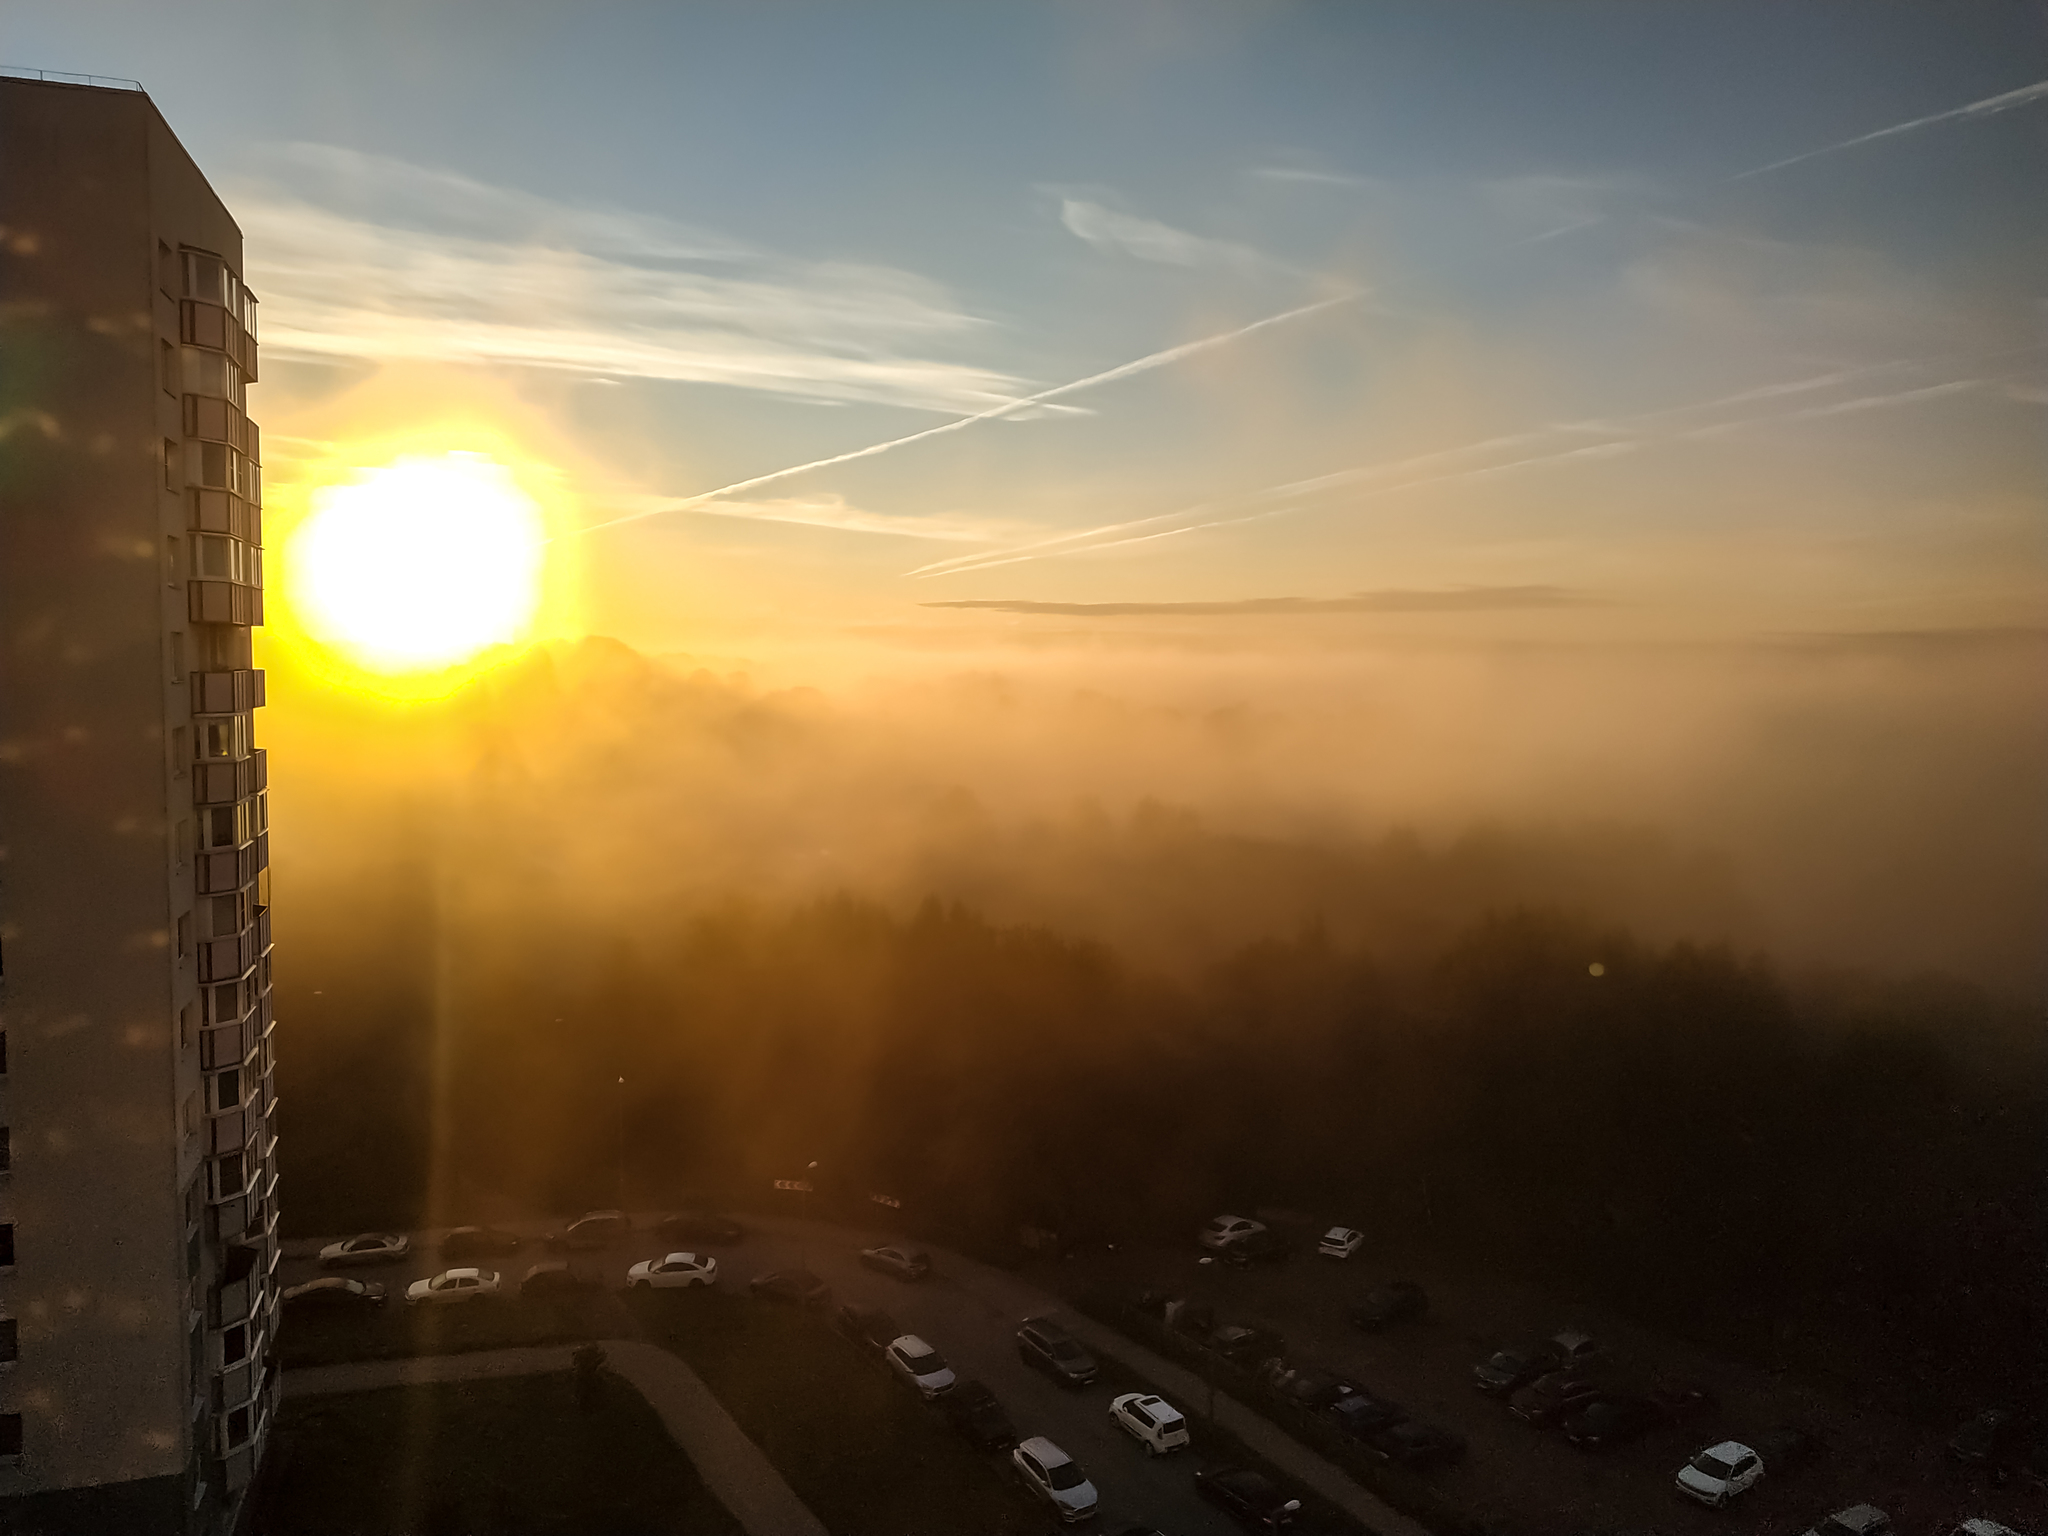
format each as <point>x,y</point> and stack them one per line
<point>1340,1243</point>
<point>1225,1230</point>
<point>1856,1520</point>
<point>1984,1528</point>
<point>920,1365</point>
<point>678,1271</point>
<point>1056,1478</point>
<point>452,1285</point>
<point>368,1248</point>
<point>1154,1422</point>
<point>1720,1472</point>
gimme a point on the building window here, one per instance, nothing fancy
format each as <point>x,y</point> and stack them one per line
<point>10,1347</point>
<point>234,1345</point>
<point>3,1053</point>
<point>170,464</point>
<point>6,1152</point>
<point>167,364</point>
<point>190,1113</point>
<point>184,934</point>
<point>188,1024</point>
<point>6,1245</point>
<point>10,1435</point>
<point>238,1426</point>
<point>177,655</point>
<point>166,269</point>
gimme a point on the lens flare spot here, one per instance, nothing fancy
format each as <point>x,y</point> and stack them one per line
<point>421,564</point>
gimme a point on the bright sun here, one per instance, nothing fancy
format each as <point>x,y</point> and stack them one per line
<point>421,564</point>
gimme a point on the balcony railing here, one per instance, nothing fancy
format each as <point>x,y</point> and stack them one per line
<point>227,693</point>
<point>225,959</point>
<point>222,511</point>
<point>209,325</point>
<point>215,874</point>
<point>223,602</point>
<point>219,783</point>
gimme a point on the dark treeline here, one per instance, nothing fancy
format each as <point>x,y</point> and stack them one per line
<point>1850,1175</point>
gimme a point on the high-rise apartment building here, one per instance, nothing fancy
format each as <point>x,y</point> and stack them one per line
<point>138,1207</point>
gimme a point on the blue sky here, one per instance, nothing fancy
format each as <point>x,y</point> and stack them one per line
<point>678,246</point>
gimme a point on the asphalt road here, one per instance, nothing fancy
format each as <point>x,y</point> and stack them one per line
<point>970,1317</point>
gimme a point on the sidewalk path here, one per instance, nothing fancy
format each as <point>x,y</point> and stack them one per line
<point>731,1465</point>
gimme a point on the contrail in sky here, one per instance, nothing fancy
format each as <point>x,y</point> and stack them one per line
<point>1008,408</point>
<point>1988,107</point>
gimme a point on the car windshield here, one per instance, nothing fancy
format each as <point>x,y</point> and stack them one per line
<point>1064,1349</point>
<point>1713,1466</point>
<point>930,1363</point>
<point>1505,1361</point>
<point>1066,1475</point>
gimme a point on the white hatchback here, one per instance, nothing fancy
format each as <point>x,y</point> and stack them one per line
<point>1225,1230</point>
<point>452,1285</point>
<point>1340,1242</point>
<point>1154,1422</point>
<point>679,1271</point>
<point>1055,1477</point>
<point>1720,1472</point>
<point>920,1365</point>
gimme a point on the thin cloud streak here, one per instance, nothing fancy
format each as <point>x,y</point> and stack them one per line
<point>1391,600</point>
<point>1122,371</point>
<point>1988,107</point>
<point>835,513</point>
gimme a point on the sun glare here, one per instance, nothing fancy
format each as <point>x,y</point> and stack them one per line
<point>420,565</point>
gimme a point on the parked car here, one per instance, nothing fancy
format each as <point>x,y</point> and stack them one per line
<point>334,1292</point>
<point>1045,1344</point>
<point>1305,1386</point>
<point>1507,1371</point>
<point>975,1414</point>
<point>1340,1243</point>
<point>1611,1419</point>
<point>1261,1247</point>
<point>1415,1444</point>
<point>1991,1439</point>
<point>1054,1476</point>
<point>1983,1528</point>
<point>452,1286</point>
<point>1194,1318</point>
<point>1225,1230</point>
<point>366,1248</point>
<point>1359,1412</point>
<point>1553,1396</point>
<point>698,1227</point>
<point>594,1229</point>
<point>1576,1350</point>
<point>903,1263</point>
<point>478,1242</point>
<point>1251,1497</point>
<point>870,1327</point>
<point>797,1286</point>
<point>1246,1346</point>
<point>1396,1301</point>
<point>676,1272</point>
<point>1856,1520</point>
<point>1150,1420</point>
<point>1720,1473</point>
<point>554,1278</point>
<point>919,1364</point>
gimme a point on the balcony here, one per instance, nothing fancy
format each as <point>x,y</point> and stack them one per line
<point>222,511</point>
<point>223,602</point>
<point>227,693</point>
<point>212,419</point>
<point>224,959</point>
<point>240,1289</point>
<point>215,874</point>
<point>201,324</point>
<point>218,783</point>
<point>228,1132</point>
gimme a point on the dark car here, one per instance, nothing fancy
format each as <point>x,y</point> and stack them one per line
<point>699,1227</point>
<point>1395,1302</point>
<point>596,1229</point>
<point>799,1287</point>
<point>870,1327</point>
<point>1305,1386</point>
<point>1507,1372</point>
<point>478,1242</point>
<point>1194,1318</point>
<point>333,1292</point>
<point>1415,1444</point>
<point>1246,1346</point>
<point>1253,1498</point>
<point>1612,1419</point>
<point>555,1278</point>
<point>1551,1397</point>
<point>1991,1439</point>
<point>1045,1344</point>
<point>1264,1246</point>
<point>973,1411</point>
<point>904,1263</point>
<point>1358,1413</point>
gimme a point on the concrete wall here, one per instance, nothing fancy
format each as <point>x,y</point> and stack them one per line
<point>91,886</point>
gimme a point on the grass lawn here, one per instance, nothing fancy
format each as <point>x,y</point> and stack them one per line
<point>863,1453</point>
<point>469,1458</point>
<point>325,1336</point>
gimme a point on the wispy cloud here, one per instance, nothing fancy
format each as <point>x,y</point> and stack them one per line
<point>1397,600</point>
<point>1990,106</point>
<point>1031,402</point>
<point>834,512</point>
<point>1288,173</point>
<point>371,258</point>
<point>1149,240</point>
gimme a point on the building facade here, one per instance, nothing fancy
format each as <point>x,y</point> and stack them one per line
<point>138,1201</point>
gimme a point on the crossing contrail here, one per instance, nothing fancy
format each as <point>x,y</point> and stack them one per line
<point>1011,407</point>
<point>1988,107</point>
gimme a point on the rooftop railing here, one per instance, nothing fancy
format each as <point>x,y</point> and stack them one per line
<point>65,77</point>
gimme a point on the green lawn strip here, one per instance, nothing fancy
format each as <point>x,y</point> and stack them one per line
<point>1399,1487</point>
<point>332,1336</point>
<point>463,1457</point>
<point>854,1444</point>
